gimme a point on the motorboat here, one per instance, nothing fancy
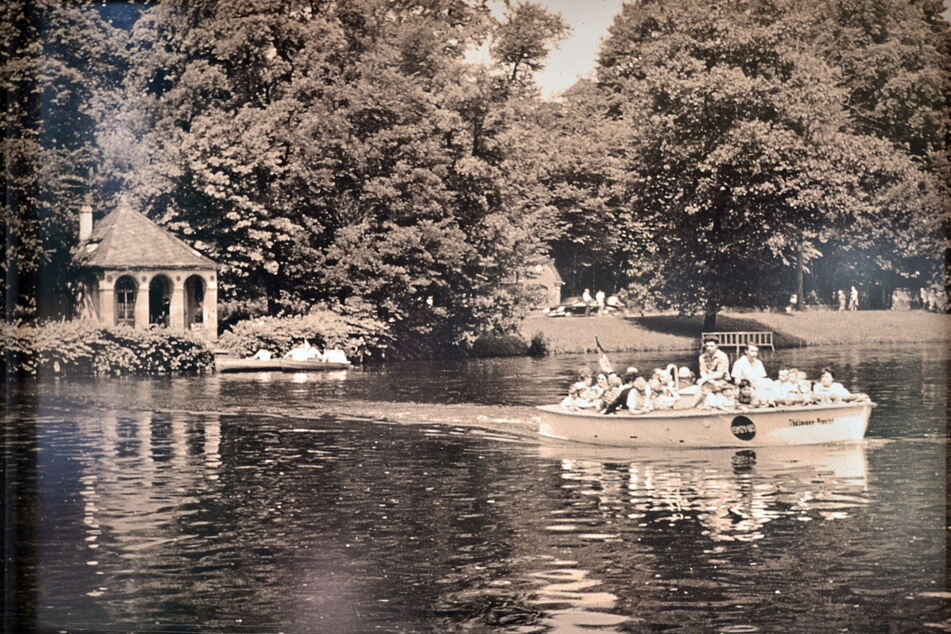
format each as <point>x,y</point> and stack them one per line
<point>757,427</point>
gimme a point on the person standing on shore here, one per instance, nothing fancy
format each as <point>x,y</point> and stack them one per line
<point>841,296</point>
<point>854,299</point>
<point>586,298</point>
<point>599,298</point>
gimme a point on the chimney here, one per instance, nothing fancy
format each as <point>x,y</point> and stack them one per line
<point>85,223</point>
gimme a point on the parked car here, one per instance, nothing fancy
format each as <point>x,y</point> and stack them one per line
<point>573,306</point>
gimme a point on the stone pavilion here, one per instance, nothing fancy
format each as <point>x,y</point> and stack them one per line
<point>135,273</point>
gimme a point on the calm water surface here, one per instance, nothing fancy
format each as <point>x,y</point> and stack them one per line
<point>416,497</point>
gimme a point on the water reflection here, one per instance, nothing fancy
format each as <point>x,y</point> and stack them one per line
<point>732,495</point>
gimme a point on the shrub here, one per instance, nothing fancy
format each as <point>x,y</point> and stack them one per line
<point>84,347</point>
<point>358,335</point>
<point>539,346</point>
<point>499,346</point>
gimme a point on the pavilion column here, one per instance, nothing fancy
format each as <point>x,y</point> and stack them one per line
<point>106,310</point>
<point>142,304</point>
<point>210,309</point>
<point>176,307</point>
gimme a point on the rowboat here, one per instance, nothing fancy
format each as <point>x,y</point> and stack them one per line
<point>233,364</point>
<point>760,427</point>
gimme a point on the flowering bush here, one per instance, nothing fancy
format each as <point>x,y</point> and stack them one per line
<point>83,347</point>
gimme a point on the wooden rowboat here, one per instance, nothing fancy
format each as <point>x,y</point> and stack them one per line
<point>761,427</point>
<point>233,364</point>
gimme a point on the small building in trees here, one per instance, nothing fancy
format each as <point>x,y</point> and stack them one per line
<point>544,277</point>
<point>133,272</point>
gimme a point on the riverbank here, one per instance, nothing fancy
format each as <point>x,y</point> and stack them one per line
<point>673,332</point>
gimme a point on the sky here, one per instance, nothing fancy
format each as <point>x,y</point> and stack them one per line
<point>576,55</point>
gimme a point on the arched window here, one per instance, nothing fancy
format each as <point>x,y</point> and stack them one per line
<point>125,290</point>
<point>194,301</point>
<point>160,299</point>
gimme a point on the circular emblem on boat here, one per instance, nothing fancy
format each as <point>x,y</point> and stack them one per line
<point>743,428</point>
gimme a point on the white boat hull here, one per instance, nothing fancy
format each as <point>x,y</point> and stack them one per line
<point>764,427</point>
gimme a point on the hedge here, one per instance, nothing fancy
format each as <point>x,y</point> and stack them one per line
<point>84,347</point>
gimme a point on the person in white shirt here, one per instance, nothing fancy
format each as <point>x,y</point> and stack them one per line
<point>639,398</point>
<point>828,391</point>
<point>748,366</point>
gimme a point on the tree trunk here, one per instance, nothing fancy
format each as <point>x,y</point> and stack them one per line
<point>800,283</point>
<point>710,315</point>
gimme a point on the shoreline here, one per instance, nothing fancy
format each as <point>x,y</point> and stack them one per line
<point>672,332</point>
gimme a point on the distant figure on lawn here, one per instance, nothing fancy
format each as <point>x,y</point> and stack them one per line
<point>854,299</point>
<point>841,296</point>
<point>586,298</point>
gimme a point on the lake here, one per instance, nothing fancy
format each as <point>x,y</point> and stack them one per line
<point>417,497</point>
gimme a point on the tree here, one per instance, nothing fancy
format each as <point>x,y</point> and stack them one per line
<point>61,68</point>
<point>741,150</point>
<point>339,151</point>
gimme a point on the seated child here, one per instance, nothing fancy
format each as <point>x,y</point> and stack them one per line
<point>746,396</point>
<point>667,397</point>
<point>583,393</point>
<point>727,397</point>
<point>611,392</point>
<point>710,395</point>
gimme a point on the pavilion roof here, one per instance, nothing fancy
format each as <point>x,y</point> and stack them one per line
<point>126,238</point>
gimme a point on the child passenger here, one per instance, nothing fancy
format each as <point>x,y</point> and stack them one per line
<point>611,392</point>
<point>583,393</point>
<point>746,396</point>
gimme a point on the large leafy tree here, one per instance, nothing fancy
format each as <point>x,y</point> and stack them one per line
<point>60,69</point>
<point>742,152</point>
<point>327,151</point>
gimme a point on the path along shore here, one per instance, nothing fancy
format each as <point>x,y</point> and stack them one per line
<point>673,332</point>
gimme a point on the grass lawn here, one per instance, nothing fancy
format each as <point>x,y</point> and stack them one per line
<point>672,332</point>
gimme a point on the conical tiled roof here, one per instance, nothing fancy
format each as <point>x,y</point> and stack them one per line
<point>127,239</point>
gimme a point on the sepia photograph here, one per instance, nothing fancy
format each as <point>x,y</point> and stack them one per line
<point>526,316</point>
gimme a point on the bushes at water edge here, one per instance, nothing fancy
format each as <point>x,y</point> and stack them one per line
<point>84,347</point>
<point>359,336</point>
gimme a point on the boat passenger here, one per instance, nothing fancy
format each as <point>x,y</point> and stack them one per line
<point>828,391</point>
<point>582,394</point>
<point>714,364</point>
<point>335,355</point>
<point>620,402</point>
<point>727,397</point>
<point>805,387</point>
<point>748,366</point>
<point>639,398</point>
<point>667,396</point>
<point>685,377</point>
<point>746,396</point>
<point>611,392</point>
<point>792,390</point>
<point>303,352</point>
<point>764,391</point>
<point>710,397</point>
